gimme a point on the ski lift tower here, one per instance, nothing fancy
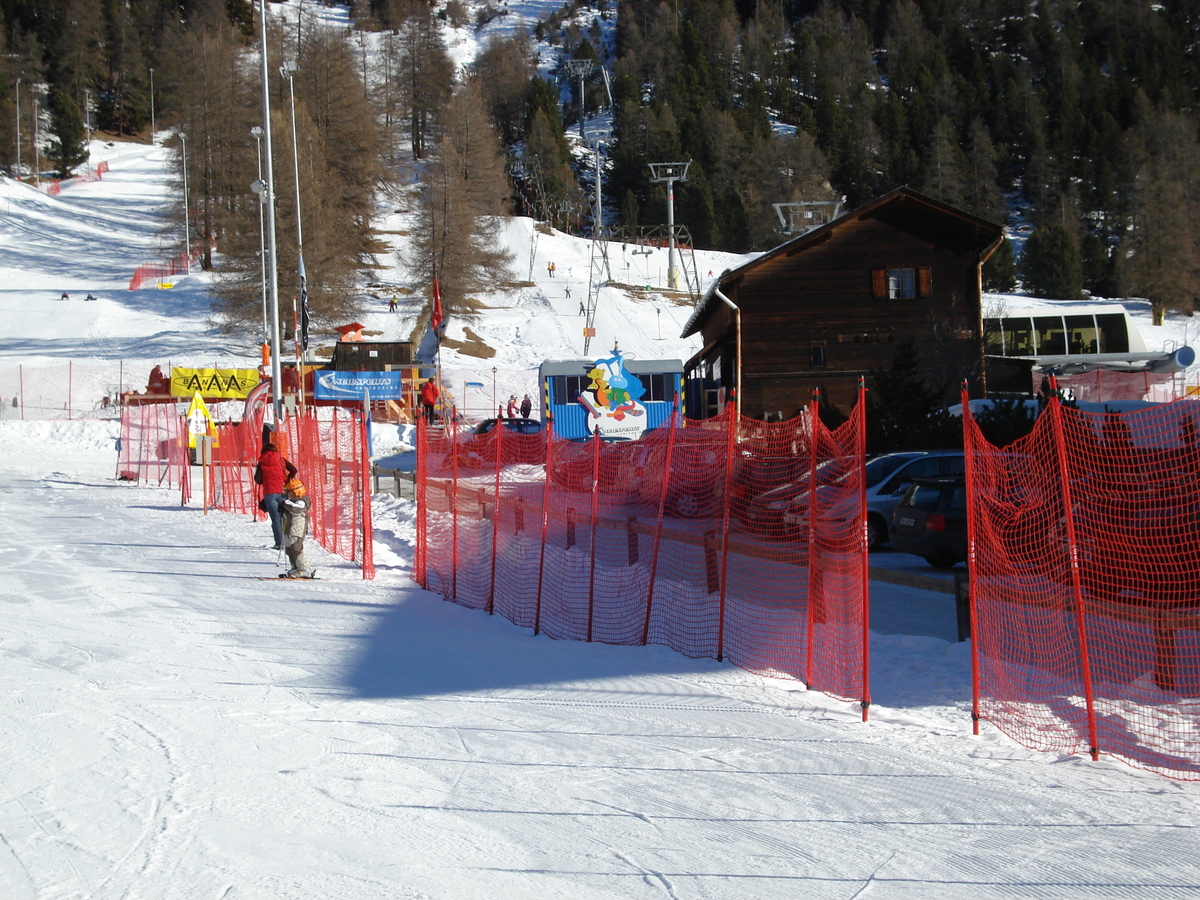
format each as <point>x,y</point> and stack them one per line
<point>599,273</point>
<point>804,216</point>
<point>580,68</point>
<point>670,173</point>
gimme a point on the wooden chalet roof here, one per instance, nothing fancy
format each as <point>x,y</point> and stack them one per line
<point>904,209</point>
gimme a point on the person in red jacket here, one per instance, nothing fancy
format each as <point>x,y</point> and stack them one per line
<point>272,472</point>
<point>429,398</point>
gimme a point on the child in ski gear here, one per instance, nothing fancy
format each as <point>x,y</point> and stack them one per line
<point>272,472</point>
<point>526,407</point>
<point>295,526</point>
<point>512,407</point>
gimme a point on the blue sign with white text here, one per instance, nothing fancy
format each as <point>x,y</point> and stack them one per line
<point>333,385</point>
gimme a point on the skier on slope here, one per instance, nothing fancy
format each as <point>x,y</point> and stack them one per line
<point>295,526</point>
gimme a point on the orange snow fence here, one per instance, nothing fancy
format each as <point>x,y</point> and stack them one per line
<point>1085,584</point>
<point>153,447</point>
<point>666,539</point>
<point>333,462</point>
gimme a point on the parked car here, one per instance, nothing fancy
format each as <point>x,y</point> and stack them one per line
<point>478,449</point>
<point>633,471</point>
<point>931,520</point>
<point>782,512</point>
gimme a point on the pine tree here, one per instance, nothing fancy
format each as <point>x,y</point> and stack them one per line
<point>1050,265</point>
<point>68,150</point>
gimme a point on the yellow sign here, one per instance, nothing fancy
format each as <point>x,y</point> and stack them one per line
<point>220,384</point>
<point>199,422</point>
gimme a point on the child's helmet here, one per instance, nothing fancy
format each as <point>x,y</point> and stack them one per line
<point>295,486</point>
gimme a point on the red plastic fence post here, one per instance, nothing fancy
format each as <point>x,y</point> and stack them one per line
<point>860,457</point>
<point>656,545</point>
<point>1060,448</point>
<point>537,609</point>
<point>592,536</point>
<point>420,491</point>
<point>498,440</point>
<point>732,424</point>
<point>368,530</point>
<point>454,510</point>
<point>814,425</point>
<point>970,436</point>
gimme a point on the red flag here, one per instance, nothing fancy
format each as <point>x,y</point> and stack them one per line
<point>436,319</point>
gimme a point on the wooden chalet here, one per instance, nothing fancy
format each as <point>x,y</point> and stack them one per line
<point>828,306</point>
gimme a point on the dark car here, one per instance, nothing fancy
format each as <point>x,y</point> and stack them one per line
<point>931,520</point>
<point>478,449</point>
<point>782,512</point>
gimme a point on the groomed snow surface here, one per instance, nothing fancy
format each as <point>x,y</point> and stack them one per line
<point>175,727</point>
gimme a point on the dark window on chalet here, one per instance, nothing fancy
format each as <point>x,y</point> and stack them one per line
<point>659,387</point>
<point>816,354</point>
<point>902,283</point>
<point>567,387</point>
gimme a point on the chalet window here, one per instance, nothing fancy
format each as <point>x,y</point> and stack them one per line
<point>902,283</point>
<point>816,355</point>
<point>568,387</point>
<point>659,387</point>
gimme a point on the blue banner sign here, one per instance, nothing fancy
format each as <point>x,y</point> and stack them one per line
<point>333,385</point>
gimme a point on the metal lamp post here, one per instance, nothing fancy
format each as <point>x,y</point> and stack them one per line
<point>37,154</point>
<point>670,173</point>
<point>187,224</point>
<point>268,196</point>
<point>262,249</point>
<point>288,71</point>
<point>18,127</point>
<point>87,115</point>
<point>152,128</point>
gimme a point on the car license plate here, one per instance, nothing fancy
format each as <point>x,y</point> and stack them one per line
<point>907,520</point>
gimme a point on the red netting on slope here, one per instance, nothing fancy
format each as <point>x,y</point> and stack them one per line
<point>330,454</point>
<point>661,540</point>
<point>335,466</point>
<point>1085,584</point>
<point>154,446</point>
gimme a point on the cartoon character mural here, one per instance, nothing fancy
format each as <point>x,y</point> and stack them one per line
<point>611,399</point>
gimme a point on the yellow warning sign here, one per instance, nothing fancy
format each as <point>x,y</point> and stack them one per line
<point>199,422</point>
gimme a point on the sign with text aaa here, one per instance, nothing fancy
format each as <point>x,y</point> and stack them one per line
<point>333,385</point>
<point>215,384</point>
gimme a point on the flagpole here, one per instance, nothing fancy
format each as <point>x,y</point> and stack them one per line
<point>436,321</point>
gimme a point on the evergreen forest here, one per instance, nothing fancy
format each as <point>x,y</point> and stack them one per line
<point>1072,122</point>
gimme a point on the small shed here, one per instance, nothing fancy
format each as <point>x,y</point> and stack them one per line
<point>371,356</point>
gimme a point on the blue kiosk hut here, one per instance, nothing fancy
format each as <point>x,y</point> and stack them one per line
<point>619,397</point>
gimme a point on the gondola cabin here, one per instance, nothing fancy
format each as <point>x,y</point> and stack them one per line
<point>621,398</point>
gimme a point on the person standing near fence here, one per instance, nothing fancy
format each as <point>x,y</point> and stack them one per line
<point>429,399</point>
<point>511,409</point>
<point>295,526</point>
<point>526,407</point>
<point>272,472</point>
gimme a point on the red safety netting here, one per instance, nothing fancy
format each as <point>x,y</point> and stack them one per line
<point>1085,584</point>
<point>329,449</point>
<point>154,273</point>
<point>662,540</point>
<point>154,448</point>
